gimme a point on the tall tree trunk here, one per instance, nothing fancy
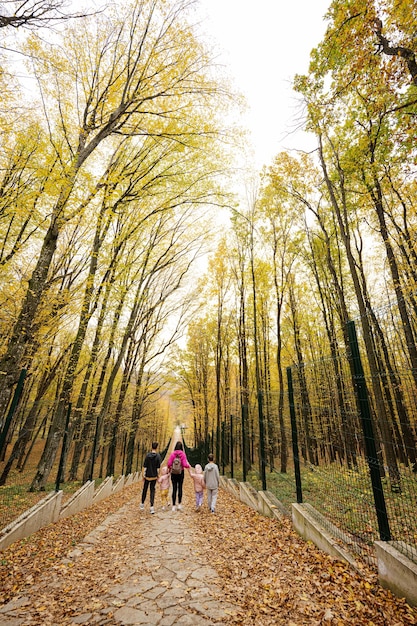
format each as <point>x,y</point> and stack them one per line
<point>136,415</point>
<point>367,332</point>
<point>127,372</point>
<point>376,194</point>
<point>244,373</point>
<point>58,423</point>
<point>22,335</point>
<point>310,445</point>
<point>218,357</point>
<point>26,432</point>
<point>90,421</point>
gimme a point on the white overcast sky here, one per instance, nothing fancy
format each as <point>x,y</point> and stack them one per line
<point>264,44</point>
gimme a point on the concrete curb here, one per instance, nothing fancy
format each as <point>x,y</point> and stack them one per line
<point>49,509</point>
<point>43,513</point>
<point>270,506</point>
<point>79,501</point>
<point>104,490</point>
<point>119,484</point>
<point>308,527</point>
<point>395,570</point>
<point>249,495</point>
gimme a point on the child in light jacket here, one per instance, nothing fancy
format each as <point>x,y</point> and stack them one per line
<point>164,482</point>
<point>212,480</point>
<point>199,485</point>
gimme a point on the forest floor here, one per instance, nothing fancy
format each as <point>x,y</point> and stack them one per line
<point>264,570</point>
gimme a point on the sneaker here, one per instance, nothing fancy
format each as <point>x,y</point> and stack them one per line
<point>141,507</point>
<point>180,507</point>
<point>152,510</point>
<point>174,508</point>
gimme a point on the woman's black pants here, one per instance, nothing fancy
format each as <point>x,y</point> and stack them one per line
<point>177,482</point>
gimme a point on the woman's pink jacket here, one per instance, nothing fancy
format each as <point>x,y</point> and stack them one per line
<point>181,454</point>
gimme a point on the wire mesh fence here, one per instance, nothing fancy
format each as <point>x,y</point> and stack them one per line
<point>356,456</point>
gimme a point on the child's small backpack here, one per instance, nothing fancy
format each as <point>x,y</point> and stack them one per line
<point>176,465</point>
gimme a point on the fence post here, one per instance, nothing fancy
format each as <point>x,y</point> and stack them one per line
<point>262,440</point>
<point>206,446</point>
<point>245,451</point>
<point>368,432</point>
<point>294,436</point>
<point>231,446</point>
<point>222,446</point>
<point>137,456</point>
<point>12,409</point>
<point>59,476</point>
<point>95,443</point>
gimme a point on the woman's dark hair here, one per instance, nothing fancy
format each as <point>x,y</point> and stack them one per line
<point>178,446</point>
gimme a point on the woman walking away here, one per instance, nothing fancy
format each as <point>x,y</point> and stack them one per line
<point>176,463</point>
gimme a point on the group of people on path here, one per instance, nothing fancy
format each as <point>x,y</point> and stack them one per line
<point>173,474</point>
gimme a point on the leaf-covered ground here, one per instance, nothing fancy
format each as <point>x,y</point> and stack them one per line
<point>24,561</point>
<point>264,567</point>
<point>279,579</point>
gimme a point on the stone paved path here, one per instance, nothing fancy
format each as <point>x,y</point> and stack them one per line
<point>164,580</point>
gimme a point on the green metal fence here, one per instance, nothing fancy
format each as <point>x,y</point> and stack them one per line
<point>358,473</point>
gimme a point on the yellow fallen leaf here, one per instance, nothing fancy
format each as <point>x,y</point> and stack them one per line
<point>328,615</point>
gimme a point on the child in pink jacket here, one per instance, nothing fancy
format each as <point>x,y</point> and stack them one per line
<point>164,482</point>
<point>199,485</point>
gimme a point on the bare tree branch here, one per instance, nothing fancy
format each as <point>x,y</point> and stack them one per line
<point>399,51</point>
<point>34,13</point>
